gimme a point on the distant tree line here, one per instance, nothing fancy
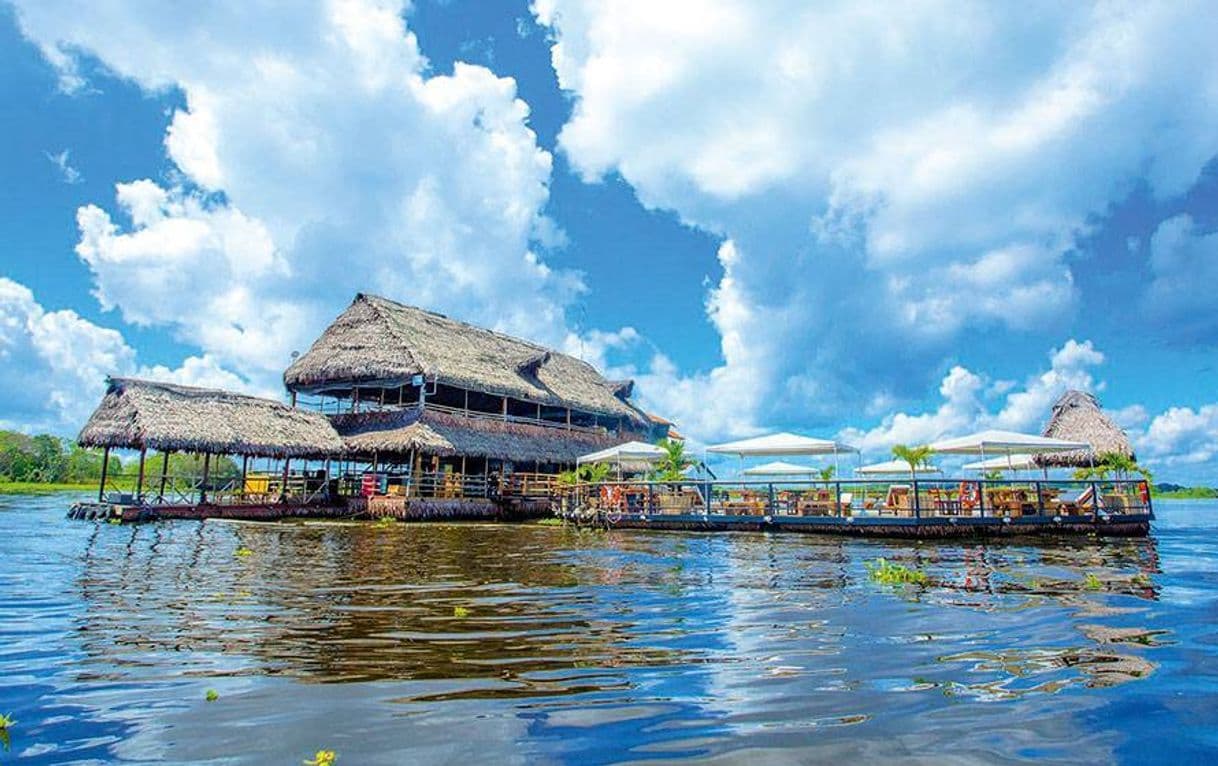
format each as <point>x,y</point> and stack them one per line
<point>47,459</point>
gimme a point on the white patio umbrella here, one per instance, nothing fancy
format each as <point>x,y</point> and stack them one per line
<point>630,452</point>
<point>893,468</point>
<point>780,468</point>
<point>782,444</point>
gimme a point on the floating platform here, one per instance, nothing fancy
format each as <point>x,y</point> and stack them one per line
<point>402,509</point>
<point>927,527</point>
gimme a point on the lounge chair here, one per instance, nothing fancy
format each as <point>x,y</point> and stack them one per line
<point>1073,504</point>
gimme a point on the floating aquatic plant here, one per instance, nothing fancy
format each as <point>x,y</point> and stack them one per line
<point>384,522</point>
<point>888,573</point>
<point>212,695</point>
<point>552,522</point>
<point>322,758</point>
<point>6,721</point>
<point>243,552</point>
<point>1091,582</point>
<point>460,611</point>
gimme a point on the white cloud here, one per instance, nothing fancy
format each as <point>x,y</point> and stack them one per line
<point>889,176</point>
<point>971,402</point>
<point>61,160</point>
<point>1184,262</point>
<point>1181,436</point>
<point>54,364</point>
<point>317,160</point>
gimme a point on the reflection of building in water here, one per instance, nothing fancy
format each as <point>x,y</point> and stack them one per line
<point>345,603</point>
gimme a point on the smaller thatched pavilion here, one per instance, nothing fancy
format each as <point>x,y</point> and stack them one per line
<point>1077,416</point>
<point>142,415</point>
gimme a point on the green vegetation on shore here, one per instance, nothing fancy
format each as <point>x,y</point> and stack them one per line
<point>1176,492</point>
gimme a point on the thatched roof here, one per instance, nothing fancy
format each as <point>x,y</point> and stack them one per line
<point>135,414</point>
<point>379,341</point>
<point>446,434</point>
<point>1077,416</point>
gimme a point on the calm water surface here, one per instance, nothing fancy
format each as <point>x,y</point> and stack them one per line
<point>466,643</point>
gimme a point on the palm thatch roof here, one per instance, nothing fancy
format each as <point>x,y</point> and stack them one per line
<point>138,414</point>
<point>447,434</point>
<point>377,341</point>
<point>1077,416</point>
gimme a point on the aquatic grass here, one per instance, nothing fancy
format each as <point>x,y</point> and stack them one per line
<point>322,758</point>
<point>886,572</point>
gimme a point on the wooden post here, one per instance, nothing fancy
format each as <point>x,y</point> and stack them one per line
<point>139,477</point>
<point>355,400</point>
<point>1040,501</point>
<point>466,401</point>
<point>283,490</point>
<point>505,408</point>
<point>206,470</point>
<point>539,410</point>
<point>101,487</point>
<point>245,466</point>
<point>568,418</point>
<point>160,495</point>
<point>293,400</point>
<point>917,501</point>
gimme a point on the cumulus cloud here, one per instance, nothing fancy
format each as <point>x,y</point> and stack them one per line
<point>970,401</point>
<point>888,176</point>
<point>53,364</point>
<point>1181,436</point>
<point>317,159</point>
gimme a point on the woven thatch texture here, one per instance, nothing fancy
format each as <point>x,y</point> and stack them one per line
<point>162,416</point>
<point>446,434</point>
<point>1077,416</point>
<point>376,339</point>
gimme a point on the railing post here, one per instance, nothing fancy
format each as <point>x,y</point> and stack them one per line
<point>981,498</point>
<point>772,509</point>
<point>203,485</point>
<point>651,498</point>
<point>139,477</point>
<point>1095,502</point>
<point>101,486</point>
<point>917,501</point>
<point>1040,500</point>
<point>838,489</point>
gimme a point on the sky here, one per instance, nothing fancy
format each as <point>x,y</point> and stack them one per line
<point>882,223</point>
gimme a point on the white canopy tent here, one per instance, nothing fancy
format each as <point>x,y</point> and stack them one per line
<point>893,468</point>
<point>780,468</point>
<point>632,453</point>
<point>780,445</point>
<point>1020,462</point>
<point>1005,443</point>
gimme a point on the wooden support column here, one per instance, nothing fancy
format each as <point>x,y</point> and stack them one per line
<point>568,418</point>
<point>505,408</point>
<point>160,495</point>
<point>539,410</point>
<point>283,489</point>
<point>293,400</point>
<point>206,472</point>
<point>467,401</point>
<point>101,487</point>
<point>139,477</point>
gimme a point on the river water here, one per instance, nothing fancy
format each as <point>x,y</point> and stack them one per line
<point>534,644</point>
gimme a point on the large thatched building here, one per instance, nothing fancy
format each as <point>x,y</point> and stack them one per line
<point>1077,416</point>
<point>416,389</point>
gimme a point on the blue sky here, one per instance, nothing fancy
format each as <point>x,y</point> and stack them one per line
<point>884,225</point>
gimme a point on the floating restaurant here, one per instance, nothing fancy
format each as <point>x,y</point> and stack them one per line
<point>408,414</point>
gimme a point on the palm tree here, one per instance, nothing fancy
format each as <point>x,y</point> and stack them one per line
<point>915,456</point>
<point>826,473</point>
<point>671,466</point>
<point>595,473</point>
<point>1112,463</point>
